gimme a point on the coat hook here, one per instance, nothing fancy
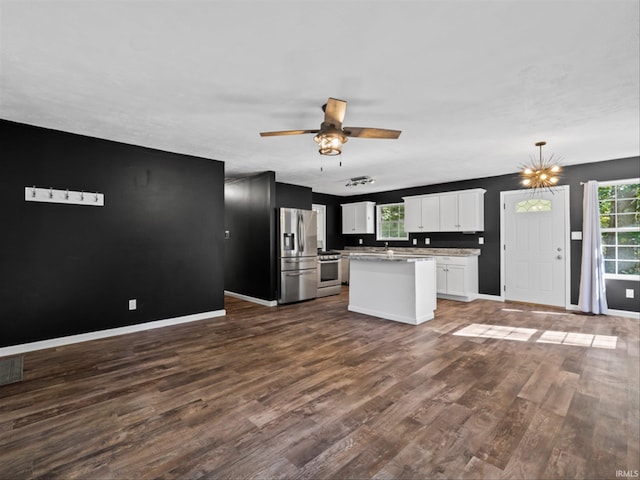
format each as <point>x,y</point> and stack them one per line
<point>50,192</point>
<point>82,196</point>
<point>66,195</point>
<point>33,192</point>
<point>95,199</point>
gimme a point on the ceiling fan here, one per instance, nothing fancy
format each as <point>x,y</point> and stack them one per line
<point>332,135</point>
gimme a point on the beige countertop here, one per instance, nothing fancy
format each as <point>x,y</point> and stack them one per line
<point>391,258</point>
<point>448,252</point>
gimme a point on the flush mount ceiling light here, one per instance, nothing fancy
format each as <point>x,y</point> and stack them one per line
<point>354,182</point>
<point>540,173</point>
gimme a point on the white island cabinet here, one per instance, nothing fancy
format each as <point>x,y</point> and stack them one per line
<point>402,289</point>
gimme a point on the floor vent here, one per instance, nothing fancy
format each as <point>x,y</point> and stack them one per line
<point>10,370</point>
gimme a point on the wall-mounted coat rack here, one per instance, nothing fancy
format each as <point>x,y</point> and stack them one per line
<point>52,195</point>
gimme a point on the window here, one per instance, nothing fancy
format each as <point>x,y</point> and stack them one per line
<point>620,228</point>
<point>391,222</point>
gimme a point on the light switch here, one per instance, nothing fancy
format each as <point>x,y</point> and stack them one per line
<point>359,241</point>
<point>576,235</point>
<point>132,304</point>
<point>481,240</point>
<point>415,241</point>
<point>630,293</point>
<point>427,241</point>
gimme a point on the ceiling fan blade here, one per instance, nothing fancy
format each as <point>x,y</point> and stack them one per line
<point>287,132</point>
<point>334,112</point>
<point>364,132</point>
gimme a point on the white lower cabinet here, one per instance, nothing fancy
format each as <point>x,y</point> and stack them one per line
<point>457,278</point>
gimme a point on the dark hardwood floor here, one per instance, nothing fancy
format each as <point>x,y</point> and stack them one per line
<point>312,391</point>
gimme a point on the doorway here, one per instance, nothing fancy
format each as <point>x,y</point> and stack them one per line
<point>535,246</point>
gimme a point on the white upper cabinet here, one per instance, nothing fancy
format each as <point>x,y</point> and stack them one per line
<point>358,217</point>
<point>421,214</point>
<point>461,211</point>
<point>471,210</point>
<point>448,213</point>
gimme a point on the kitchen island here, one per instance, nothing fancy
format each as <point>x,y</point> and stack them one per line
<point>402,289</point>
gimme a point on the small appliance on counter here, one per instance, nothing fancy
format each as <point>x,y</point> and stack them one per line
<point>329,273</point>
<point>298,255</point>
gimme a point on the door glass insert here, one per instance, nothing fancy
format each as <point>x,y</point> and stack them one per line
<point>533,205</point>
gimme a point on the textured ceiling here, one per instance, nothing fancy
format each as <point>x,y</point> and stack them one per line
<point>471,84</point>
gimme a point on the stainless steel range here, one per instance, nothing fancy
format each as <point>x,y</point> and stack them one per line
<point>329,274</point>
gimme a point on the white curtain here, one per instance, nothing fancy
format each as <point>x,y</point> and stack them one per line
<point>593,295</point>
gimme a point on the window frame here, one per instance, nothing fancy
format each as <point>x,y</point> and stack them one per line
<point>321,219</point>
<point>379,222</point>
<point>616,230</point>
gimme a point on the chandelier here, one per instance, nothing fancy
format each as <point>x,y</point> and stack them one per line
<point>540,173</point>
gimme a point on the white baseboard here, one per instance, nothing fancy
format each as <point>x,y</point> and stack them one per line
<point>259,301</point>
<point>112,332</point>
<point>612,312</point>
<point>495,298</point>
<point>625,313</point>
<point>391,316</point>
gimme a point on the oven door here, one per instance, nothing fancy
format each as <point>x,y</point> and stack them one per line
<point>328,273</point>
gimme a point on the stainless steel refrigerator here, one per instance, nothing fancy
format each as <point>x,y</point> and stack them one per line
<point>298,255</point>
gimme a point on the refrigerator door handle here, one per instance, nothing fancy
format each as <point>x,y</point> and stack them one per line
<point>301,231</point>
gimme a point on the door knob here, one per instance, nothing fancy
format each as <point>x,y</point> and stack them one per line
<point>559,249</point>
<point>559,257</point>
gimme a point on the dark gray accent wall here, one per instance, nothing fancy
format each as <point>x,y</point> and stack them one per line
<point>335,239</point>
<point>601,171</point>
<point>489,260</point>
<point>70,269</point>
<point>293,196</point>
<point>251,206</point>
<point>250,260</point>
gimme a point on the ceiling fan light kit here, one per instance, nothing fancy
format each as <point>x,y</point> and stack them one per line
<point>332,135</point>
<point>330,141</point>
<point>540,173</point>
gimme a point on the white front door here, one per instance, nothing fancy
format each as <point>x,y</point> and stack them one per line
<point>535,246</point>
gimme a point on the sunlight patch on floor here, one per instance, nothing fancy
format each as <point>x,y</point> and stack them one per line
<point>520,334</point>
<point>497,331</point>
<point>579,339</point>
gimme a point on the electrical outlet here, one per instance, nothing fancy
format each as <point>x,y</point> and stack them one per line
<point>481,240</point>
<point>133,304</point>
<point>415,241</point>
<point>427,241</point>
<point>630,293</point>
<point>359,241</point>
